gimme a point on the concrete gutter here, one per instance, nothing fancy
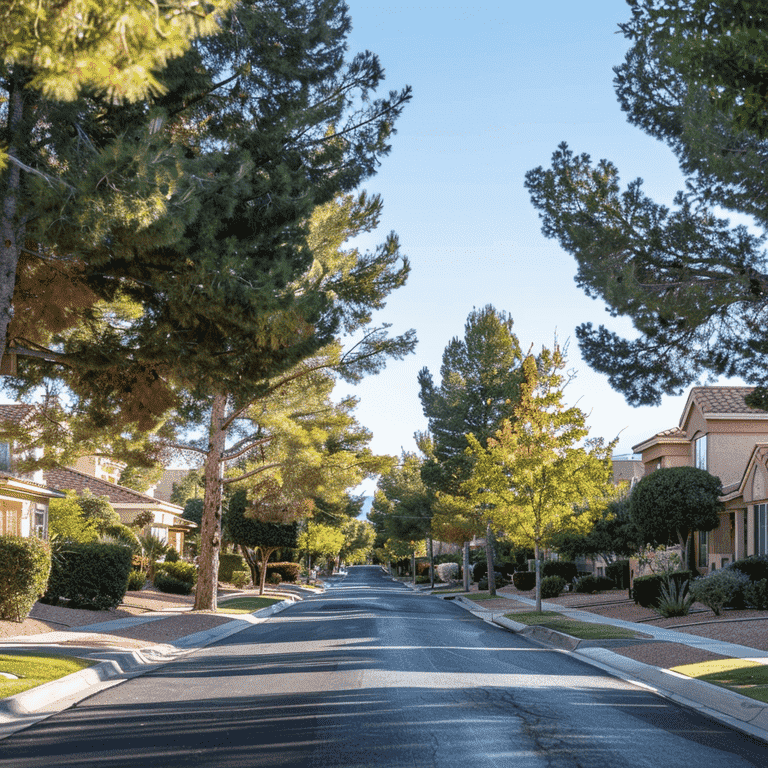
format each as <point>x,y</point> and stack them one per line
<point>29,707</point>
<point>740,712</point>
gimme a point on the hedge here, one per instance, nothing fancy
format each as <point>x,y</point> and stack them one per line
<point>89,575</point>
<point>180,570</point>
<point>25,564</point>
<point>552,586</point>
<point>524,580</point>
<point>756,567</point>
<point>565,569</point>
<point>229,562</point>
<point>172,585</point>
<point>646,590</point>
<point>288,571</point>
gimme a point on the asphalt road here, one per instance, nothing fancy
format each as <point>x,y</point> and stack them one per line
<point>371,674</point>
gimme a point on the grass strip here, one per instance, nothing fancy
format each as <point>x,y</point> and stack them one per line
<point>34,669</point>
<point>246,604</point>
<point>742,676</point>
<point>584,630</point>
<point>481,596</point>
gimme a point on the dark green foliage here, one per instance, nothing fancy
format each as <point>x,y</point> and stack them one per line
<point>178,570</point>
<point>646,590</point>
<point>288,572</point>
<point>590,584</point>
<point>172,585</point>
<point>756,594</point>
<point>25,564</point>
<point>670,504</point>
<point>228,563</point>
<point>524,580</point>
<point>618,573</point>
<point>563,568</point>
<point>274,578</point>
<point>136,581</point>
<point>756,567</point>
<point>675,599</point>
<point>552,586</point>
<point>193,510</point>
<point>252,533</point>
<point>691,283</point>
<point>172,556</point>
<point>89,575</point>
<point>479,571</point>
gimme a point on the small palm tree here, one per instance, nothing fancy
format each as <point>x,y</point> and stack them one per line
<point>154,548</point>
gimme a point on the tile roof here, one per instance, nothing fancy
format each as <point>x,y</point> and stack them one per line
<point>15,413</point>
<point>723,400</point>
<point>74,480</point>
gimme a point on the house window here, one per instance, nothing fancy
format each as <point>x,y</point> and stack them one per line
<point>700,452</point>
<point>40,522</point>
<point>761,529</point>
<point>703,548</point>
<point>5,457</point>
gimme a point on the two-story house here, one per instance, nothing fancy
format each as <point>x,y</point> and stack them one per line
<point>720,433</point>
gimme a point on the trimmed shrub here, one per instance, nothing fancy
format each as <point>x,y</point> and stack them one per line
<point>447,571</point>
<point>566,569</point>
<point>646,590</point>
<point>178,570</point>
<point>618,573</point>
<point>240,578</point>
<point>172,556</point>
<point>274,578</point>
<point>756,594</point>
<point>479,571</point>
<point>287,571</point>
<point>229,562</point>
<point>89,575</point>
<point>172,585</point>
<point>591,584</point>
<point>552,586</point>
<point>525,581</point>
<point>25,565</point>
<point>756,567</point>
<point>720,589</point>
<point>136,581</point>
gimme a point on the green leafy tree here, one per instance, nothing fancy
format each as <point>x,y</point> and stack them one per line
<point>670,504</point>
<point>359,536</point>
<point>477,391</point>
<point>401,509</point>
<point>536,477</point>
<point>189,487</point>
<point>257,539</point>
<point>694,286</point>
<point>67,521</point>
<point>98,510</point>
<point>319,540</point>
<point>141,478</point>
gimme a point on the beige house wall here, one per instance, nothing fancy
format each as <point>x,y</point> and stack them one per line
<point>729,452</point>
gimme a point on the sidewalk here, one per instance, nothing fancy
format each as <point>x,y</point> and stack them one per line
<point>122,649</point>
<point>739,712</point>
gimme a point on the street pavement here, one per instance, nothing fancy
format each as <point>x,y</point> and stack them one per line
<point>373,674</point>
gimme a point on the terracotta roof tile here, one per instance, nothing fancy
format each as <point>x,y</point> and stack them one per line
<point>71,479</point>
<point>723,400</point>
<point>15,413</point>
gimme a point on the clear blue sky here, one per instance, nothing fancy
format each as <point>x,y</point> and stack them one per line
<point>496,87</point>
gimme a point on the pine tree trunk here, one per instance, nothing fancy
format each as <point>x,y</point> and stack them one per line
<point>265,555</point>
<point>431,564</point>
<point>210,529</point>
<point>11,229</point>
<point>538,575</point>
<point>489,560</point>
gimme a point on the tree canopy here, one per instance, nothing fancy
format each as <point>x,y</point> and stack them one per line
<point>671,503</point>
<point>535,478</point>
<point>694,285</point>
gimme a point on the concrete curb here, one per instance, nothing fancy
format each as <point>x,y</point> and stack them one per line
<point>738,712</point>
<point>29,707</point>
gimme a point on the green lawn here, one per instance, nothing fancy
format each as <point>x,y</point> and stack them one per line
<point>739,675</point>
<point>483,596</point>
<point>582,629</point>
<point>247,604</point>
<point>34,669</point>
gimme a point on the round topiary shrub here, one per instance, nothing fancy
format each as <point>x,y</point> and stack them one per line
<point>552,586</point>
<point>525,581</point>
<point>25,564</point>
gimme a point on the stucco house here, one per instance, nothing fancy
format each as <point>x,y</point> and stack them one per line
<point>167,523</point>
<point>720,433</point>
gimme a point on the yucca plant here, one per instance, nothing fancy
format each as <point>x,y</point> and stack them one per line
<point>675,599</point>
